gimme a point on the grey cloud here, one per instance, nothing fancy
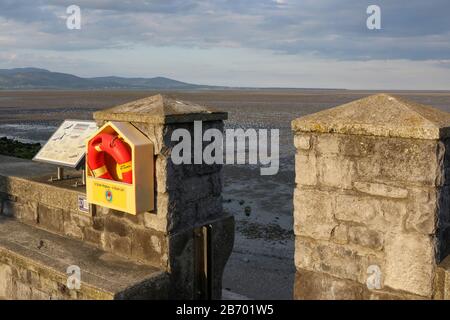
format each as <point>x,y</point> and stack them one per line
<point>415,29</point>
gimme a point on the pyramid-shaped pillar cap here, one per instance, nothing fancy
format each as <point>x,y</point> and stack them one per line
<point>379,115</point>
<point>160,109</point>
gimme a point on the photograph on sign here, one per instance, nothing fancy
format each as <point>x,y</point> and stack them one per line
<point>66,147</point>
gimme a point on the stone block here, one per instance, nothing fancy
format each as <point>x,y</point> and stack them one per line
<point>216,183</point>
<point>149,246</point>
<point>302,142</point>
<point>380,189</point>
<point>181,255</point>
<point>39,295</point>
<point>6,281</point>
<point>410,263</point>
<point>313,214</point>
<point>155,221</point>
<point>207,209</point>
<point>81,220</point>
<point>98,223</point>
<point>340,234</point>
<point>117,244</point>
<point>161,171</point>
<point>340,261</point>
<point>118,226</point>
<point>357,146</point>
<point>424,211</point>
<point>72,230</point>
<point>22,291</point>
<point>195,188</point>
<point>380,215</point>
<point>25,211</point>
<point>335,171</point>
<point>320,286</point>
<point>94,237</point>
<point>51,218</point>
<point>306,170</point>
<point>357,209</point>
<point>328,144</point>
<point>365,237</point>
<point>401,160</point>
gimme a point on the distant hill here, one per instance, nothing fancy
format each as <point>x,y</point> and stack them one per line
<point>34,78</point>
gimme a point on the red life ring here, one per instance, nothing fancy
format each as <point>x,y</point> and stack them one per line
<point>117,149</point>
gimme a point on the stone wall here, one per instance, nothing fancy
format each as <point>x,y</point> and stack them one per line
<point>366,204</point>
<point>34,264</point>
<point>186,197</point>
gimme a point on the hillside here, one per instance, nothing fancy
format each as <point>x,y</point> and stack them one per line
<point>34,78</point>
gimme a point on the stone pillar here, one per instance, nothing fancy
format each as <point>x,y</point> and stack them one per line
<point>187,196</point>
<point>371,200</point>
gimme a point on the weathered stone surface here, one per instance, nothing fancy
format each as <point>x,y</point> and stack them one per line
<point>207,209</point>
<point>72,230</point>
<point>155,221</point>
<point>186,196</point>
<point>380,189</point>
<point>340,234</point>
<point>410,263</point>
<point>25,211</point>
<point>6,281</point>
<point>442,280</point>
<point>94,237</point>
<point>379,214</point>
<point>379,115</point>
<point>148,246</point>
<point>365,237</point>
<point>51,218</point>
<point>320,286</point>
<point>385,163</point>
<point>307,171</point>
<point>195,188</point>
<point>335,171</point>
<point>337,260</point>
<point>424,211</point>
<point>313,214</point>
<point>159,109</point>
<point>117,226</point>
<point>30,273</point>
<point>328,144</point>
<point>302,142</point>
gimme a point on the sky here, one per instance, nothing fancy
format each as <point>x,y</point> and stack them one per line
<point>257,43</point>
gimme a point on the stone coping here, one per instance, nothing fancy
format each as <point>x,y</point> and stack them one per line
<point>160,109</point>
<point>11,166</point>
<point>102,274</point>
<point>379,115</point>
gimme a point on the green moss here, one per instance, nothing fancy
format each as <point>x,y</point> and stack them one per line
<point>18,149</point>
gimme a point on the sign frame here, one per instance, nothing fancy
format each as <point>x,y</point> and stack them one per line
<point>80,162</point>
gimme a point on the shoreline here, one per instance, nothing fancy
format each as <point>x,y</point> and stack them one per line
<point>14,148</point>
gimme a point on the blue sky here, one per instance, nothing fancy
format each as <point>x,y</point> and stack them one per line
<point>275,43</point>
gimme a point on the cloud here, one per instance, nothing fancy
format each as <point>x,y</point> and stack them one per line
<point>417,30</point>
<point>297,43</point>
